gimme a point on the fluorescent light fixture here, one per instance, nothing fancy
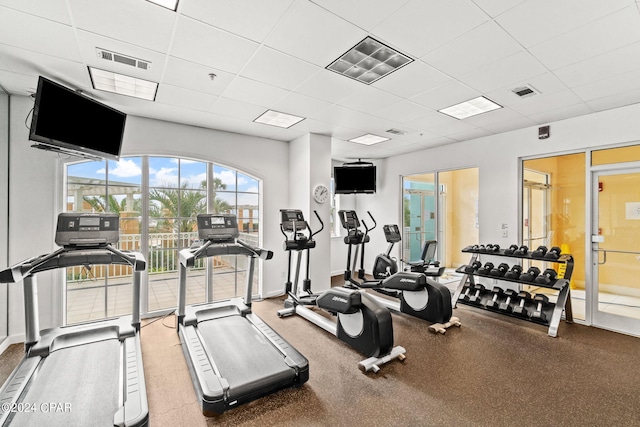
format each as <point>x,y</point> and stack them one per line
<point>470,108</point>
<point>169,4</point>
<point>369,139</point>
<point>275,118</point>
<point>369,61</point>
<point>123,85</point>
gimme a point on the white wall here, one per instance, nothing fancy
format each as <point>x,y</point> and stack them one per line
<point>4,207</point>
<point>35,193</point>
<point>497,158</point>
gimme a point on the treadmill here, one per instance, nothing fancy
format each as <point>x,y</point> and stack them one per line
<point>233,356</point>
<point>88,374</point>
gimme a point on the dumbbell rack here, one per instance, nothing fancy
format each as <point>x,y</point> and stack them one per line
<point>552,311</point>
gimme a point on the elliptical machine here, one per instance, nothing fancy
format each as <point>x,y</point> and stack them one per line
<point>419,295</point>
<point>361,321</point>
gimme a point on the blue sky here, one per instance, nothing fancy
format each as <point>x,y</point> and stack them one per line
<point>163,171</point>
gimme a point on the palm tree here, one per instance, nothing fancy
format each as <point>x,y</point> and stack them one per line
<point>111,204</point>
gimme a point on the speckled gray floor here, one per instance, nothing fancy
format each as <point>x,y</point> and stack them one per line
<point>493,371</point>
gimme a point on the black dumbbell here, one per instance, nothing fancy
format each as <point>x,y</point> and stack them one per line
<point>511,249</point>
<point>554,253</point>
<point>514,273</point>
<point>465,296</point>
<point>469,248</point>
<point>482,248</point>
<point>475,298</point>
<point>520,310</point>
<point>522,250</point>
<point>540,252</point>
<point>538,314</point>
<point>493,248</point>
<point>530,275</point>
<point>506,304</point>
<point>485,269</point>
<point>548,276</point>
<point>500,270</point>
<point>497,293</point>
<point>473,267</point>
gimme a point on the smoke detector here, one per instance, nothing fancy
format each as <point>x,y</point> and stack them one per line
<point>123,59</point>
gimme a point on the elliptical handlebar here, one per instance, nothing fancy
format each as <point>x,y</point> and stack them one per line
<point>321,224</point>
<point>375,224</point>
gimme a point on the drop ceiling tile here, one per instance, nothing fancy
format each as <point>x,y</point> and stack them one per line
<point>55,10</point>
<point>622,28</point>
<point>40,35</point>
<point>469,134</point>
<point>545,102</point>
<point>347,117</point>
<point>328,86</point>
<point>253,92</point>
<point>497,7</point>
<point>493,117</point>
<point>532,22</point>
<point>429,121</point>
<point>143,24</point>
<point>445,95</point>
<point>421,27</point>
<point>278,69</point>
<point>546,84</point>
<point>368,99</point>
<point>246,18</point>
<point>453,128</point>
<point>313,34</point>
<point>479,47</point>
<point>170,113</point>
<point>207,45</point>
<point>34,64</point>
<point>300,105</point>
<point>412,79</point>
<point>363,13</point>
<point>403,111</point>
<point>510,125</point>
<point>188,75</point>
<point>315,126</point>
<point>18,84</point>
<point>504,73</point>
<point>621,83</point>
<point>609,64</point>
<point>566,112</point>
<point>185,98</point>
<point>615,101</point>
<point>236,109</point>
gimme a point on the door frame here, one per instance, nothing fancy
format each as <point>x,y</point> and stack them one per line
<point>593,316</point>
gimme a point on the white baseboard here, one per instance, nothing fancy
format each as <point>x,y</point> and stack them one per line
<point>10,340</point>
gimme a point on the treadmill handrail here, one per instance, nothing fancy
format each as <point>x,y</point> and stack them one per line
<point>188,256</point>
<point>71,257</point>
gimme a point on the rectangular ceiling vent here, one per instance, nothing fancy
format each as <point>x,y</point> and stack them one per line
<point>123,59</point>
<point>396,131</point>
<point>525,91</point>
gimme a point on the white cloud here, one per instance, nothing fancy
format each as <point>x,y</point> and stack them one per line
<point>164,176</point>
<point>195,180</point>
<point>229,178</point>
<point>124,169</point>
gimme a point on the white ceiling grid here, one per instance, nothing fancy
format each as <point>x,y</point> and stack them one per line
<point>581,56</point>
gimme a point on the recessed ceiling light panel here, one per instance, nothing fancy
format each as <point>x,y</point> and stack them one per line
<point>276,118</point>
<point>123,85</point>
<point>369,61</point>
<point>369,139</point>
<point>470,108</point>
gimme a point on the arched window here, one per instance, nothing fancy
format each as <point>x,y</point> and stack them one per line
<point>158,199</point>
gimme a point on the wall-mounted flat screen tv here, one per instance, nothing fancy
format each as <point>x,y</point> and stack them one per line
<point>67,120</point>
<point>355,178</point>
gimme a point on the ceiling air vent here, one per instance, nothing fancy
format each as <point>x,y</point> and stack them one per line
<point>123,59</point>
<point>525,91</point>
<point>396,131</point>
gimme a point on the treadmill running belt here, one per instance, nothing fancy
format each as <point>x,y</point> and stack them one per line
<point>84,377</point>
<point>244,356</point>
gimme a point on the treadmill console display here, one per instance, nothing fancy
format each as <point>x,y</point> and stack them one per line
<point>218,227</point>
<point>289,217</point>
<point>392,233</point>
<point>85,229</point>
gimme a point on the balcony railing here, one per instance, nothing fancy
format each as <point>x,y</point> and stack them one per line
<point>162,256</point>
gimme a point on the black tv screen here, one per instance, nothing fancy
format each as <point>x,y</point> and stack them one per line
<point>64,118</point>
<point>354,179</point>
